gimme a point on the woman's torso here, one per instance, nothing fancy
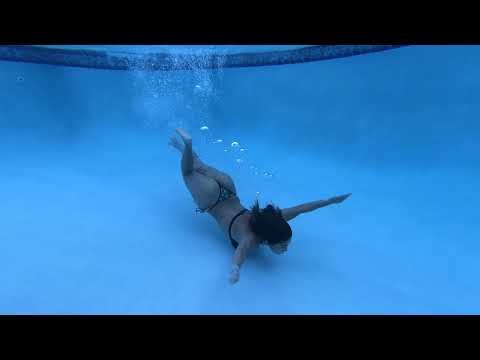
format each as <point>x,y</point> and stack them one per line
<point>206,192</point>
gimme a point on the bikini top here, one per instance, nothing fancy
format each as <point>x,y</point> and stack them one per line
<point>232,240</point>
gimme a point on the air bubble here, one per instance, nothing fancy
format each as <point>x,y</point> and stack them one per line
<point>225,150</point>
<point>204,128</point>
<point>242,149</point>
<point>235,144</point>
<point>198,91</point>
<point>239,161</point>
<point>218,141</point>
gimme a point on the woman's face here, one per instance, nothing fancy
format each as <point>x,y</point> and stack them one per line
<point>280,248</point>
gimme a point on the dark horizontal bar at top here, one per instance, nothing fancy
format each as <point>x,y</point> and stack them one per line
<point>170,62</point>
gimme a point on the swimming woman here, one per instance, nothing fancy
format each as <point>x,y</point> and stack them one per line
<point>214,192</point>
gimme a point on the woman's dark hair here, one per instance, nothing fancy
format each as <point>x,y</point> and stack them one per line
<point>269,225</point>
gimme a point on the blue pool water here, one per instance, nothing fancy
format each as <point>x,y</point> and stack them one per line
<point>95,218</point>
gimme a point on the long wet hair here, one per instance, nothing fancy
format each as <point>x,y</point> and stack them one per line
<point>269,225</point>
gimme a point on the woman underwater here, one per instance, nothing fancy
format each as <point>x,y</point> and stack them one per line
<point>214,192</point>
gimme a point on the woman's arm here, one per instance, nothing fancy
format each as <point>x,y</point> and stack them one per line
<point>239,257</point>
<point>292,212</point>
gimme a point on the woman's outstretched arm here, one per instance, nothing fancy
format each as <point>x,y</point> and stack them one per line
<point>239,257</point>
<point>292,212</point>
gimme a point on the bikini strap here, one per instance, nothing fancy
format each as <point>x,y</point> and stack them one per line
<point>234,242</point>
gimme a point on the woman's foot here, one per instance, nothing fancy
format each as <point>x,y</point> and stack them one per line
<point>187,139</point>
<point>176,144</point>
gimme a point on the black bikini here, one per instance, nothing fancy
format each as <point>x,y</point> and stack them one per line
<point>223,195</point>
<point>232,240</point>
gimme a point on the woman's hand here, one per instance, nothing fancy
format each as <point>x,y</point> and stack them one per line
<point>339,199</point>
<point>234,274</point>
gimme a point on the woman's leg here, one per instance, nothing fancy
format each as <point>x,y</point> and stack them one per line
<point>203,189</point>
<point>191,162</point>
<point>190,157</point>
<point>187,156</point>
